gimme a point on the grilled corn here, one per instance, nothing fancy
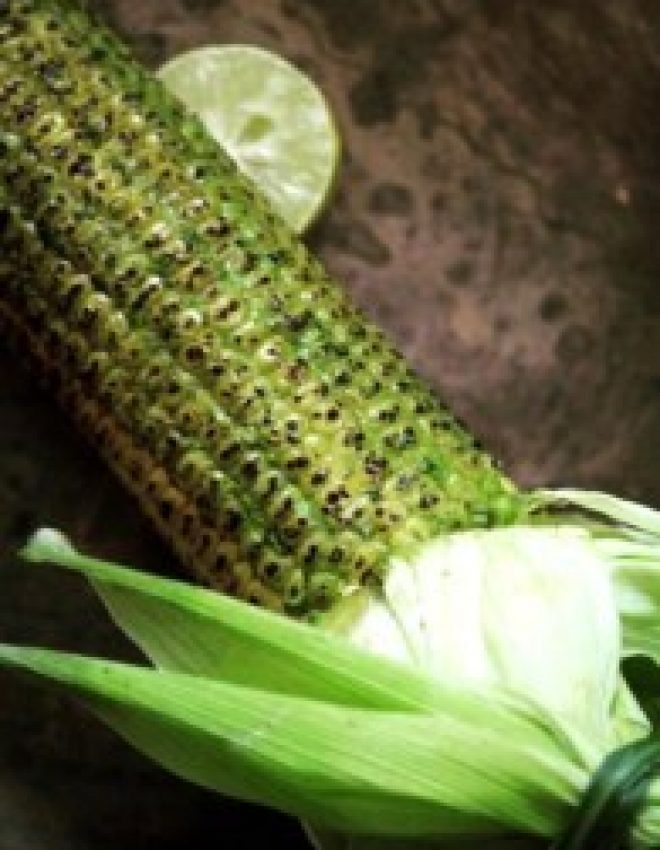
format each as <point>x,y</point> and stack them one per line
<point>273,434</point>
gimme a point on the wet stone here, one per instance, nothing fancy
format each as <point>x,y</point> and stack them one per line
<point>574,343</point>
<point>202,5</point>
<point>428,119</point>
<point>150,47</point>
<point>553,306</point>
<point>354,237</point>
<point>391,199</point>
<point>461,272</point>
<point>373,99</point>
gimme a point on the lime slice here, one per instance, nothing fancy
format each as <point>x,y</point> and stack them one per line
<point>271,118</point>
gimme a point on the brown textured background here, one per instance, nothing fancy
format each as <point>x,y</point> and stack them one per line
<point>497,212</point>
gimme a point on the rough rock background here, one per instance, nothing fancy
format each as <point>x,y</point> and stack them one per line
<point>496,212</point>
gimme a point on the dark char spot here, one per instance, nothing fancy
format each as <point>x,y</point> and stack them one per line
<point>552,307</point>
<point>574,343</point>
<point>460,272</point>
<point>391,199</point>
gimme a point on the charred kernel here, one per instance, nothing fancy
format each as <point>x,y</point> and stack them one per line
<point>375,465</point>
<point>232,522</point>
<point>82,165</point>
<point>221,562</point>
<point>165,509</point>
<point>217,228</point>
<point>336,555</point>
<point>26,112</point>
<point>324,587</point>
<point>149,287</point>
<point>195,353</point>
<point>250,468</point>
<point>298,462</point>
<point>272,569</point>
<point>294,588</point>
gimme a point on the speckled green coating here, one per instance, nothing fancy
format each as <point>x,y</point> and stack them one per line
<point>270,431</point>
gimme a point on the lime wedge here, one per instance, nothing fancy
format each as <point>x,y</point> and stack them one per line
<point>269,116</point>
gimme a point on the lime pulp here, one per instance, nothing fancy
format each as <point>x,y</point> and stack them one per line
<point>269,117</point>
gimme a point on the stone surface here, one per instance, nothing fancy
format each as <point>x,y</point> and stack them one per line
<point>496,212</point>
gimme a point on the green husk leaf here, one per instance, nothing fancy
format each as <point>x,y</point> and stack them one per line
<point>188,629</point>
<point>620,511</point>
<point>632,548</point>
<point>353,770</point>
<point>643,676</point>
<point>630,720</point>
<point>636,574</point>
<point>637,583</point>
<point>630,544</point>
<point>337,748</point>
<point>617,794</point>
<point>629,541</point>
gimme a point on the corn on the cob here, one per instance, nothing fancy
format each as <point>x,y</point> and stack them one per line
<point>273,434</point>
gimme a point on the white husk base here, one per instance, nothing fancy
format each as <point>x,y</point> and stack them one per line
<point>530,610</point>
